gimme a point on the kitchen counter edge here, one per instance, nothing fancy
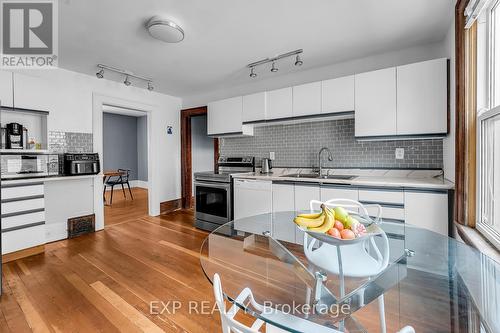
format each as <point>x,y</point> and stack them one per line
<point>46,179</point>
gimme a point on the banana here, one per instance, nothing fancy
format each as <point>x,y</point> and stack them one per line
<point>308,222</point>
<point>311,216</point>
<point>327,224</point>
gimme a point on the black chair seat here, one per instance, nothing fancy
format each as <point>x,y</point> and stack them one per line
<point>120,180</point>
<point>115,182</point>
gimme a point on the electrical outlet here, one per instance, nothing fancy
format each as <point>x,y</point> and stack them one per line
<point>400,153</point>
<point>272,156</point>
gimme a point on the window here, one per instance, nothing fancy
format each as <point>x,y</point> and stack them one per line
<point>488,123</point>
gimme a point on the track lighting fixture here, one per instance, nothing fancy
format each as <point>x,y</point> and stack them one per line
<point>128,75</point>
<point>127,81</point>
<point>274,68</point>
<point>298,61</point>
<point>252,73</point>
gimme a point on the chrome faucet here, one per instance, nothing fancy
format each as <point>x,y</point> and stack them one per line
<point>330,158</point>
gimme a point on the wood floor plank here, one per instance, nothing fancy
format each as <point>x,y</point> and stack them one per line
<point>126,309</point>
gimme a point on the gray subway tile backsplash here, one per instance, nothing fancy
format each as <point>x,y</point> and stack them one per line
<point>297,145</point>
<point>70,142</point>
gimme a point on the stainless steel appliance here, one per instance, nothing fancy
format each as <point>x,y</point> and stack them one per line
<point>16,166</point>
<point>213,191</point>
<point>81,164</point>
<point>14,138</point>
<point>267,166</point>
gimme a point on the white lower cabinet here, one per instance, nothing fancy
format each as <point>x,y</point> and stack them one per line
<point>338,192</point>
<point>283,201</point>
<point>427,210</point>
<point>252,198</point>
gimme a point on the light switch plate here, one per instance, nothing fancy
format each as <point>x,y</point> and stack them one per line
<point>271,155</point>
<point>400,153</point>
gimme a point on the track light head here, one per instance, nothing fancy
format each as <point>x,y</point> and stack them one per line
<point>100,74</point>
<point>150,86</point>
<point>252,73</point>
<point>298,61</point>
<point>127,81</point>
<point>274,69</point>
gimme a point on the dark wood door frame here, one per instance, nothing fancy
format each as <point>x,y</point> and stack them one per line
<point>186,151</point>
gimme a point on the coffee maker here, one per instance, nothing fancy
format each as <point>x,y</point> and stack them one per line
<point>14,137</point>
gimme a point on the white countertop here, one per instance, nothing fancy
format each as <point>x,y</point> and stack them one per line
<point>421,179</point>
<point>47,179</point>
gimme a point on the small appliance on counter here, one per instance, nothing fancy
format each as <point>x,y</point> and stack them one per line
<point>14,136</point>
<point>213,192</point>
<point>81,164</point>
<point>267,166</point>
<point>15,166</point>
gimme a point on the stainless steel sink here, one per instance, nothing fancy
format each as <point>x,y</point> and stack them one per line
<point>316,175</point>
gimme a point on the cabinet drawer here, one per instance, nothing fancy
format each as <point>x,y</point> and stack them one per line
<point>381,196</point>
<point>22,191</point>
<point>20,220</point>
<point>22,205</point>
<point>22,239</point>
<point>394,213</point>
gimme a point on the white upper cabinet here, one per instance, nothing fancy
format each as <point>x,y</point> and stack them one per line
<point>254,107</point>
<point>224,116</point>
<point>422,98</point>
<point>375,103</point>
<point>6,88</point>
<point>35,93</point>
<point>279,103</point>
<point>337,95</point>
<point>307,99</point>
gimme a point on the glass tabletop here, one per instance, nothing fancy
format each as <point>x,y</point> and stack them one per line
<point>427,280</point>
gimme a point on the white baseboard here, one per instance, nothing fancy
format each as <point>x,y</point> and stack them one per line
<point>139,183</point>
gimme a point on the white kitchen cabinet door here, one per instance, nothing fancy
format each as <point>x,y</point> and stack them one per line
<point>306,99</point>
<point>254,107</point>
<point>35,93</point>
<point>224,116</point>
<point>422,98</point>
<point>6,92</point>
<point>337,95</point>
<point>304,194</point>
<point>284,201</point>
<point>279,103</point>
<point>329,193</point>
<point>252,197</point>
<point>375,103</point>
<point>427,210</point>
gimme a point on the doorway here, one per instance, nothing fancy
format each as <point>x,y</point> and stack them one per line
<point>194,154</point>
<point>125,164</point>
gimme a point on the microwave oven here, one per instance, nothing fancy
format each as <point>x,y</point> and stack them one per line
<point>15,166</point>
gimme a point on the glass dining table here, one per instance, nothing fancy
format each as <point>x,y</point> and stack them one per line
<point>431,282</point>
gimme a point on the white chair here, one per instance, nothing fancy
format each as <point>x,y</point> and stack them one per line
<point>229,324</point>
<point>359,260</point>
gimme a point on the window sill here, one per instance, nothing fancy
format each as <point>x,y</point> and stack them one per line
<point>473,238</point>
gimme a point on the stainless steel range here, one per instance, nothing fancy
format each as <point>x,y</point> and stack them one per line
<point>213,191</point>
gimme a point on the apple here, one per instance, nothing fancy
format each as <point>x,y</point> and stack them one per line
<point>338,225</point>
<point>347,234</point>
<point>334,232</point>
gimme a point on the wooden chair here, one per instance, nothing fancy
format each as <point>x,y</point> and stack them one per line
<point>122,180</point>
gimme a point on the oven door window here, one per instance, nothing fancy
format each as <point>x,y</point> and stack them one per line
<point>212,201</point>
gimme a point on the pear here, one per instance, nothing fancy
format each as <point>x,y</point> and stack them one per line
<point>341,214</point>
<point>350,222</point>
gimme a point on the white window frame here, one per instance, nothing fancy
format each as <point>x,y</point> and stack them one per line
<point>482,115</point>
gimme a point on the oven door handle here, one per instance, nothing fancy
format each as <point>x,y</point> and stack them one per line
<point>225,186</point>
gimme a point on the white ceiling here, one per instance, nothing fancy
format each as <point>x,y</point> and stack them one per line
<point>223,36</point>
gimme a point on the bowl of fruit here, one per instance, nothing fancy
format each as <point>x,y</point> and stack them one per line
<point>336,226</point>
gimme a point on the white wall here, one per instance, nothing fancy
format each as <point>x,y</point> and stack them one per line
<point>449,141</point>
<point>72,102</point>
<point>401,57</point>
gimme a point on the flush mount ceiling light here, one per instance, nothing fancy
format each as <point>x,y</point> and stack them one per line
<point>126,73</point>
<point>274,68</point>
<point>165,30</point>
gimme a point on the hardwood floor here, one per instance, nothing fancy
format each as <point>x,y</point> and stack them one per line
<point>116,280</point>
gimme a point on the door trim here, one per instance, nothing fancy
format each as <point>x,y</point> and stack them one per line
<point>186,151</point>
